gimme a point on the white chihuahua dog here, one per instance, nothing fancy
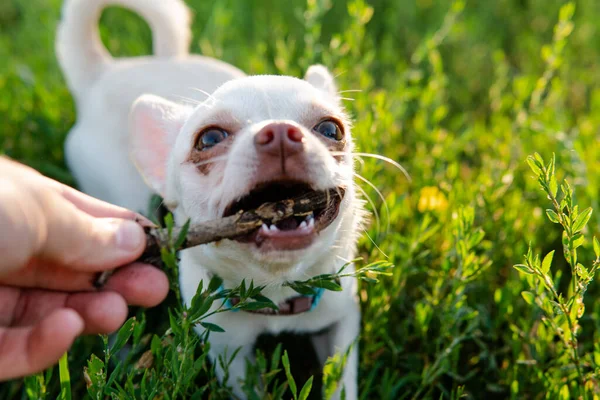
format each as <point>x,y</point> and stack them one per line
<point>104,89</point>
<point>254,140</point>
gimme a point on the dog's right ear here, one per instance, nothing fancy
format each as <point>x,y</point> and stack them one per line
<point>154,124</point>
<point>320,77</point>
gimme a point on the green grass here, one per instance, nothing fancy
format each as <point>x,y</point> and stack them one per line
<point>460,93</point>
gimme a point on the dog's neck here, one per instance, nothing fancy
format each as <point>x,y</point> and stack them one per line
<point>275,287</point>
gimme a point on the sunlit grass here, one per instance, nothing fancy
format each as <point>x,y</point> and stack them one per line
<point>459,93</point>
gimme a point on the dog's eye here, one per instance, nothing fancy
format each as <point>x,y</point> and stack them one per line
<point>210,137</point>
<point>330,129</point>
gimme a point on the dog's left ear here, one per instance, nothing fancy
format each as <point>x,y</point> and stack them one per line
<point>154,124</point>
<point>320,77</point>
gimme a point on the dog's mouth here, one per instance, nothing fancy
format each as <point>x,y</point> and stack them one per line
<point>292,233</point>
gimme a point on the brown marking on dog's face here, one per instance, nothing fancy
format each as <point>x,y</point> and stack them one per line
<point>200,155</point>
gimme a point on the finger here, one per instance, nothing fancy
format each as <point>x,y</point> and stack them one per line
<point>100,209</point>
<point>140,284</point>
<point>39,222</point>
<point>27,350</point>
<point>29,307</point>
<point>51,276</point>
<point>9,297</point>
<point>77,240</point>
<point>102,312</point>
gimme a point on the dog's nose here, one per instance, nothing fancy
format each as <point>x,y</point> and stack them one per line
<point>279,139</point>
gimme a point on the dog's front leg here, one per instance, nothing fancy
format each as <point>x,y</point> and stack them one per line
<point>222,348</point>
<point>343,335</point>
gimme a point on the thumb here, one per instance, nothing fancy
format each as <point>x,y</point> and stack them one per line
<point>77,240</point>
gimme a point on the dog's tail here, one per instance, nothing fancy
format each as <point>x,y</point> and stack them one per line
<point>80,52</point>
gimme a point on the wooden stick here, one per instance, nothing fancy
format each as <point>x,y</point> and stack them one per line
<point>240,224</point>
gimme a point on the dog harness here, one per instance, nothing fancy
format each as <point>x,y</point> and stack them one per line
<point>292,306</point>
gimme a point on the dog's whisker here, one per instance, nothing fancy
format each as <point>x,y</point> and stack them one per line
<point>343,259</point>
<point>375,244</point>
<point>378,157</point>
<point>349,90</point>
<point>375,212</point>
<point>204,92</point>
<point>361,161</point>
<point>187,99</point>
<point>372,185</point>
<point>347,98</point>
<point>339,74</point>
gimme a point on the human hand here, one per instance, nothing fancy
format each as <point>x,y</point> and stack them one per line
<point>53,242</point>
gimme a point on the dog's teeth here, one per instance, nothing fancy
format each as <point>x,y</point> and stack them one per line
<point>273,228</point>
<point>311,222</point>
<point>264,227</point>
<point>309,217</point>
<point>303,225</point>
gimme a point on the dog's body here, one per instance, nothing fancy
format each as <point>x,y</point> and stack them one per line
<point>104,89</point>
<point>255,139</point>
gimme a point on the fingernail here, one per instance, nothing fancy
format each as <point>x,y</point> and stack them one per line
<point>144,222</point>
<point>130,235</point>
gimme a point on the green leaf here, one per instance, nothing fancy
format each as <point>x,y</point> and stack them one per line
<point>534,166</point>
<point>243,289</point>
<point>306,389</point>
<point>553,186</point>
<point>95,377</point>
<point>276,357</point>
<point>578,240</point>
<point>169,223</point>
<point>326,284</point>
<point>523,268</point>
<point>538,158</point>
<point>114,374</point>
<point>168,258</point>
<point>65,378</point>
<point>552,216</point>
<point>123,336</point>
<point>174,324</point>
<point>212,327</point>
<point>182,235</point>
<point>214,284</point>
<point>596,247</point>
<point>156,345</point>
<point>286,365</point>
<point>266,300</point>
<point>201,308</point>
<point>582,220</point>
<point>528,296</point>
<point>302,288</point>
<point>547,262</point>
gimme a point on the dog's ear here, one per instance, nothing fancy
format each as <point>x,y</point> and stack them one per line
<point>153,127</point>
<point>320,77</point>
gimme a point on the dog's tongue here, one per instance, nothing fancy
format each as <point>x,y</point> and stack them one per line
<point>288,224</point>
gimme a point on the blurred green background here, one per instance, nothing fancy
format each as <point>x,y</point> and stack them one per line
<point>459,93</point>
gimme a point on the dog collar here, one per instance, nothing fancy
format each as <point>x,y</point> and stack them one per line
<point>292,306</point>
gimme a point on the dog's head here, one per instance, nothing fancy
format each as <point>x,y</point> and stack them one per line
<point>255,140</point>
